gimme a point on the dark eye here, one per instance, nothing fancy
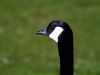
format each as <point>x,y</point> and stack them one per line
<point>52,27</point>
<point>55,24</point>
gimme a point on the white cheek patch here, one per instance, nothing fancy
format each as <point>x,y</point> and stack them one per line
<point>55,33</point>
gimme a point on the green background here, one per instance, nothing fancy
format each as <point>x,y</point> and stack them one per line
<point>22,52</point>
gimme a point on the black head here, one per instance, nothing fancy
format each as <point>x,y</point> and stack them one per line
<point>55,28</point>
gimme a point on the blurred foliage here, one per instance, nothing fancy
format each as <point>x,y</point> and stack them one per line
<point>22,52</point>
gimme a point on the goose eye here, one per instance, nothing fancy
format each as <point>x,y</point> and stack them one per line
<point>52,27</point>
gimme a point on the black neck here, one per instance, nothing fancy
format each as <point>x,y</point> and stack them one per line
<point>65,46</point>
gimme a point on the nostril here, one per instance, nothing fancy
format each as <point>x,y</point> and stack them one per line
<point>42,30</point>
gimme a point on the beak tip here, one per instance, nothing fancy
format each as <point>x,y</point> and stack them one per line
<point>38,33</point>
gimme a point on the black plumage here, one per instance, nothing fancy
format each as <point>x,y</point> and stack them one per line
<point>65,45</point>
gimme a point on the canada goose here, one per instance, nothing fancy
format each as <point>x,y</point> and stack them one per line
<point>60,32</point>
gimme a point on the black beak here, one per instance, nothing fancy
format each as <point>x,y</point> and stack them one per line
<point>42,32</point>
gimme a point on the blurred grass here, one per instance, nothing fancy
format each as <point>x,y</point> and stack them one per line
<point>24,53</point>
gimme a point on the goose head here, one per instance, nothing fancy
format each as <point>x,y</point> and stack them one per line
<point>55,29</point>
